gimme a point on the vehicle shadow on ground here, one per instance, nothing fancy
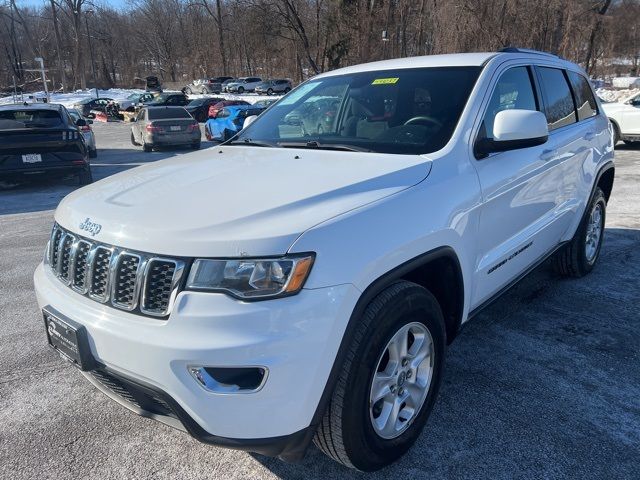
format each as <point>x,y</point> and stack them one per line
<point>42,193</point>
<point>542,383</point>
<point>626,146</point>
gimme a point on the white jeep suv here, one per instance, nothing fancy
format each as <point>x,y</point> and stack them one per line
<point>289,286</point>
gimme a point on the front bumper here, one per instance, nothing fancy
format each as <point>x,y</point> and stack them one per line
<point>295,338</point>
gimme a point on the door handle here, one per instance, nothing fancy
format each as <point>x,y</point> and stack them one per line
<point>548,154</point>
<point>590,135</point>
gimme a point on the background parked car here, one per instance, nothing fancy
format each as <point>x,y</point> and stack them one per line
<point>87,132</point>
<point>270,87</point>
<point>206,85</point>
<point>215,108</point>
<point>129,104</point>
<point>164,126</point>
<point>229,121</point>
<point>625,118</point>
<point>169,99</point>
<point>41,139</point>
<point>96,104</point>
<point>226,83</point>
<point>245,84</point>
<point>199,108</point>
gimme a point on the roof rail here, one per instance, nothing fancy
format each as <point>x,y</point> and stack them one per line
<point>526,50</point>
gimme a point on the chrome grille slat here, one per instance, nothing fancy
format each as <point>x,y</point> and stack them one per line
<point>100,270</point>
<point>78,279</point>
<point>124,283</point>
<point>64,256</point>
<point>162,277</point>
<point>124,279</point>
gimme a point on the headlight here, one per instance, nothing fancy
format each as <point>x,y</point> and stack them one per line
<point>251,278</point>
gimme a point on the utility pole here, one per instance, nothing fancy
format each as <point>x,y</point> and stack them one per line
<point>40,60</point>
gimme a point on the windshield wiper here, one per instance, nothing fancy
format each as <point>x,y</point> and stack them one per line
<point>323,146</point>
<point>250,143</point>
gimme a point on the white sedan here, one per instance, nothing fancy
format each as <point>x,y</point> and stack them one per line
<point>625,117</point>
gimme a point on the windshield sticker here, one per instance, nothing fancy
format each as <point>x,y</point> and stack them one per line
<point>385,81</point>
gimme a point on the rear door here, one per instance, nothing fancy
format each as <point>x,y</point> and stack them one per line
<point>519,192</point>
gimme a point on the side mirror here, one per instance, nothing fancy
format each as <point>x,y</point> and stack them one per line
<point>249,120</point>
<point>514,129</point>
<point>81,122</point>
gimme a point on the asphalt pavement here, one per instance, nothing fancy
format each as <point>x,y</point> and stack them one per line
<point>543,384</point>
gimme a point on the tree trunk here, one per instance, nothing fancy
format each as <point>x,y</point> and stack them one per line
<point>56,30</point>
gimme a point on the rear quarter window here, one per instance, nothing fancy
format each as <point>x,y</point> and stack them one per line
<point>586,103</point>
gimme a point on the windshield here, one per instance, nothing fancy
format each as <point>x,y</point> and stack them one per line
<point>412,111</point>
<point>18,119</point>
<point>134,96</point>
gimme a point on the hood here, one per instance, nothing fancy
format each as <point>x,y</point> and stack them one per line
<point>234,201</point>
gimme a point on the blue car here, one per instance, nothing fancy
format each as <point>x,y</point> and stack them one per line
<point>229,121</point>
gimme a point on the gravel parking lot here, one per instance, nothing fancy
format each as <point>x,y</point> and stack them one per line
<point>543,384</point>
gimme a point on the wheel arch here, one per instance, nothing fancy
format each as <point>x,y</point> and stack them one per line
<point>426,270</point>
<point>605,179</point>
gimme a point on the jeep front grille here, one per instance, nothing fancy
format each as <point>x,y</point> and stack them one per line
<point>127,280</point>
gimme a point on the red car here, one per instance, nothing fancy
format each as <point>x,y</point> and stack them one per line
<point>216,107</point>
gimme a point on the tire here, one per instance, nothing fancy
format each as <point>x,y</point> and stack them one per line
<point>287,90</point>
<point>195,146</point>
<point>270,91</point>
<point>147,148</point>
<point>240,90</point>
<point>632,143</point>
<point>347,433</point>
<point>93,153</point>
<point>85,177</point>
<point>133,140</point>
<point>576,259</point>
<point>188,91</point>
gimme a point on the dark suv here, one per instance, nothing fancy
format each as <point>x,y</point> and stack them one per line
<point>41,140</point>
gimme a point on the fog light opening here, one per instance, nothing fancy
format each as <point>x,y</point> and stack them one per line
<point>229,379</point>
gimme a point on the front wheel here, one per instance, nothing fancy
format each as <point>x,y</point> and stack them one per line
<point>240,90</point>
<point>389,381</point>
<point>580,255</point>
<point>270,91</point>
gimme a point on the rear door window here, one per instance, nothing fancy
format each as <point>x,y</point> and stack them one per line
<point>586,104</point>
<point>559,107</point>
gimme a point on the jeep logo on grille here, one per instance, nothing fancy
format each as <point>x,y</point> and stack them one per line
<point>91,227</point>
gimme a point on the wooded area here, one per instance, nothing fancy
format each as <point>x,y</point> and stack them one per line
<point>178,40</point>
